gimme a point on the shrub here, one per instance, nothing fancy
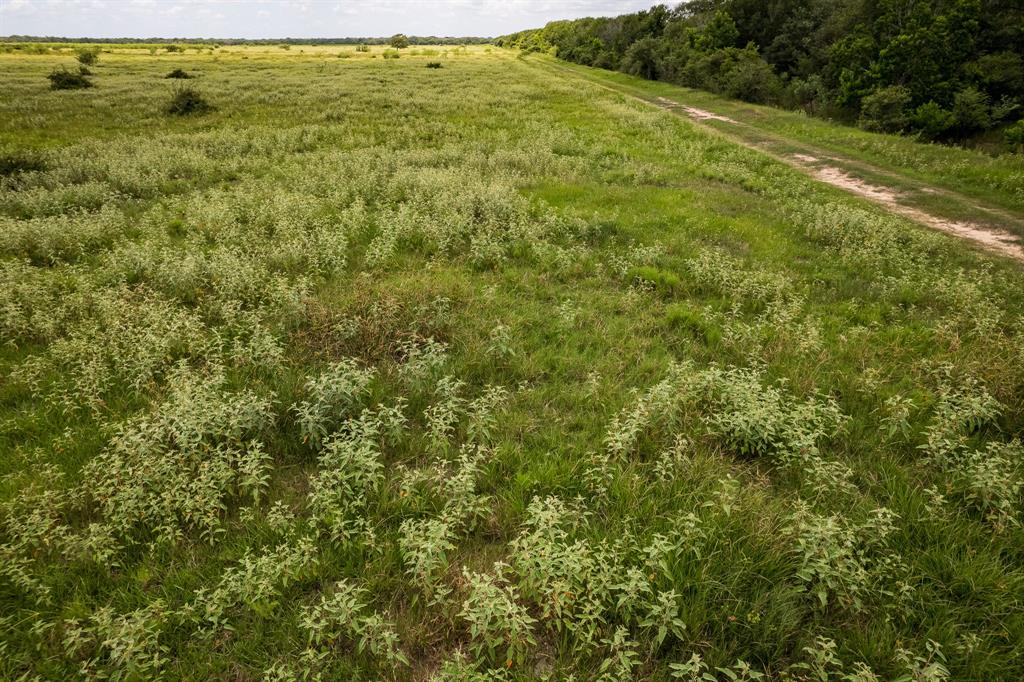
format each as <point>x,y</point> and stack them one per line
<point>187,101</point>
<point>971,111</point>
<point>399,41</point>
<point>19,162</point>
<point>88,57</point>
<point>433,65</point>
<point>932,120</point>
<point>178,73</point>
<point>1015,134</point>
<point>886,110</point>
<point>362,47</point>
<point>62,79</point>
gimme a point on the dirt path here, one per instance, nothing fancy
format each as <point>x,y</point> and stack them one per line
<point>986,236</point>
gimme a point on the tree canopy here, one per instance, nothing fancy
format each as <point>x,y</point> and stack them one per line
<point>943,69</point>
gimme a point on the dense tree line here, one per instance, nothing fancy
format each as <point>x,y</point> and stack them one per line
<point>943,69</point>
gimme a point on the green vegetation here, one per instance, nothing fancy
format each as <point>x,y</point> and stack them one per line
<point>62,79</point>
<point>178,73</point>
<point>88,57</point>
<point>496,372</point>
<point>943,69</point>
<point>187,101</point>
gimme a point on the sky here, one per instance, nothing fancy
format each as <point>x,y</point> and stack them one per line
<point>292,18</point>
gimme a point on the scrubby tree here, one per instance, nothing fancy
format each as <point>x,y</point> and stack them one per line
<point>399,41</point>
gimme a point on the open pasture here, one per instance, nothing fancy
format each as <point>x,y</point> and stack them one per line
<point>375,371</point>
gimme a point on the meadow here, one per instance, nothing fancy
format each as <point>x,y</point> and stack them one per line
<point>486,372</point>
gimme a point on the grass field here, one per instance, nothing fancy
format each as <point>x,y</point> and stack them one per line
<point>487,372</point>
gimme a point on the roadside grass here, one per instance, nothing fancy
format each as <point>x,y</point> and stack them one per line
<point>904,162</point>
<point>399,325</point>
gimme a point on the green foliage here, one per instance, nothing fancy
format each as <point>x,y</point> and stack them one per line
<point>178,73</point>
<point>62,79</point>
<point>1015,134</point>
<point>187,102</point>
<point>88,57</point>
<point>399,41</point>
<point>434,65</point>
<point>932,120</point>
<point>891,67</point>
<point>886,110</point>
<point>498,624</point>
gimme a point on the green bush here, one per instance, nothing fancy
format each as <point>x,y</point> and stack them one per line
<point>88,57</point>
<point>971,111</point>
<point>932,120</point>
<point>178,73</point>
<point>1015,134</point>
<point>12,162</point>
<point>433,65</point>
<point>399,41</point>
<point>186,102</point>
<point>62,79</point>
<point>886,110</point>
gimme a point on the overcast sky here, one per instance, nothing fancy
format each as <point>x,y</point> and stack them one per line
<point>292,18</point>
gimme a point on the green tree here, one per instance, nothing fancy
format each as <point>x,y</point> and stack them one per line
<point>399,41</point>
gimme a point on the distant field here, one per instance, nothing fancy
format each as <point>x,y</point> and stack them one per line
<point>489,371</point>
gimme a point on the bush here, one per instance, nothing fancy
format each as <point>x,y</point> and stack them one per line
<point>88,57</point>
<point>399,41</point>
<point>19,162</point>
<point>970,109</point>
<point>362,47</point>
<point>187,101</point>
<point>886,110</point>
<point>84,70</point>
<point>178,73</point>
<point>433,65</point>
<point>932,120</point>
<point>1015,134</point>
<point>62,79</point>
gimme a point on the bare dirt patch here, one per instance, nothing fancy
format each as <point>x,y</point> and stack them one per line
<point>805,158</point>
<point>694,112</point>
<point>989,237</point>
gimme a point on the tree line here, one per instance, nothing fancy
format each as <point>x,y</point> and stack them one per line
<point>941,69</point>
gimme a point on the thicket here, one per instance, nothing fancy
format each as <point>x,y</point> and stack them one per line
<point>943,69</point>
<point>187,101</point>
<point>62,79</point>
